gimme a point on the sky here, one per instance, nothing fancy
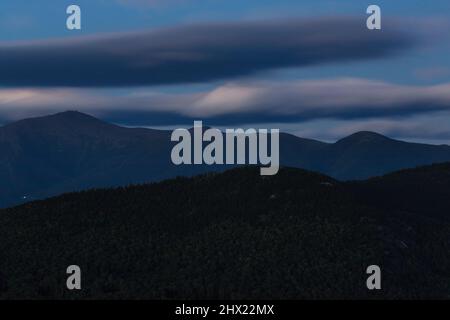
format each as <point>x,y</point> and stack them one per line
<point>311,68</point>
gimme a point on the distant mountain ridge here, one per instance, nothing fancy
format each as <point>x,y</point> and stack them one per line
<point>70,151</point>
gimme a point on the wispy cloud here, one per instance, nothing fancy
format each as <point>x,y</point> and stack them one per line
<point>193,53</point>
<point>239,102</point>
<point>343,97</point>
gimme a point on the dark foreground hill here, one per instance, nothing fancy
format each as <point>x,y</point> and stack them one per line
<point>235,235</point>
<point>71,151</point>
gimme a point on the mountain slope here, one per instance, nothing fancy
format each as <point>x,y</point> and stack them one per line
<point>71,151</point>
<point>367,154</point>
<point>413,191</point>
<point>231,235</point>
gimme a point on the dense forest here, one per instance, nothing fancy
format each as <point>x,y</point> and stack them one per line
<point>239,235</point>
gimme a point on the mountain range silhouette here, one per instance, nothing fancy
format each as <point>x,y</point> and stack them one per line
<point>71,151</point>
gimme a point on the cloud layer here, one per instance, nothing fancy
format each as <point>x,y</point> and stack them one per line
<point>237,102</point>
<point>192,53</point>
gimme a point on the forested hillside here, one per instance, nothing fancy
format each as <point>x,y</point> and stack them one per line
<point>236,235</point>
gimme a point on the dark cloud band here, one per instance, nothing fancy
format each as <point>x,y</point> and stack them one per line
<point>193,53</point>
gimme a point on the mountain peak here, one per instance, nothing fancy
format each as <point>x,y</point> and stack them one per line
<point>70,120</point>
<point>71,115</point>
<point>364,136</point>
<point>367,134</point>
